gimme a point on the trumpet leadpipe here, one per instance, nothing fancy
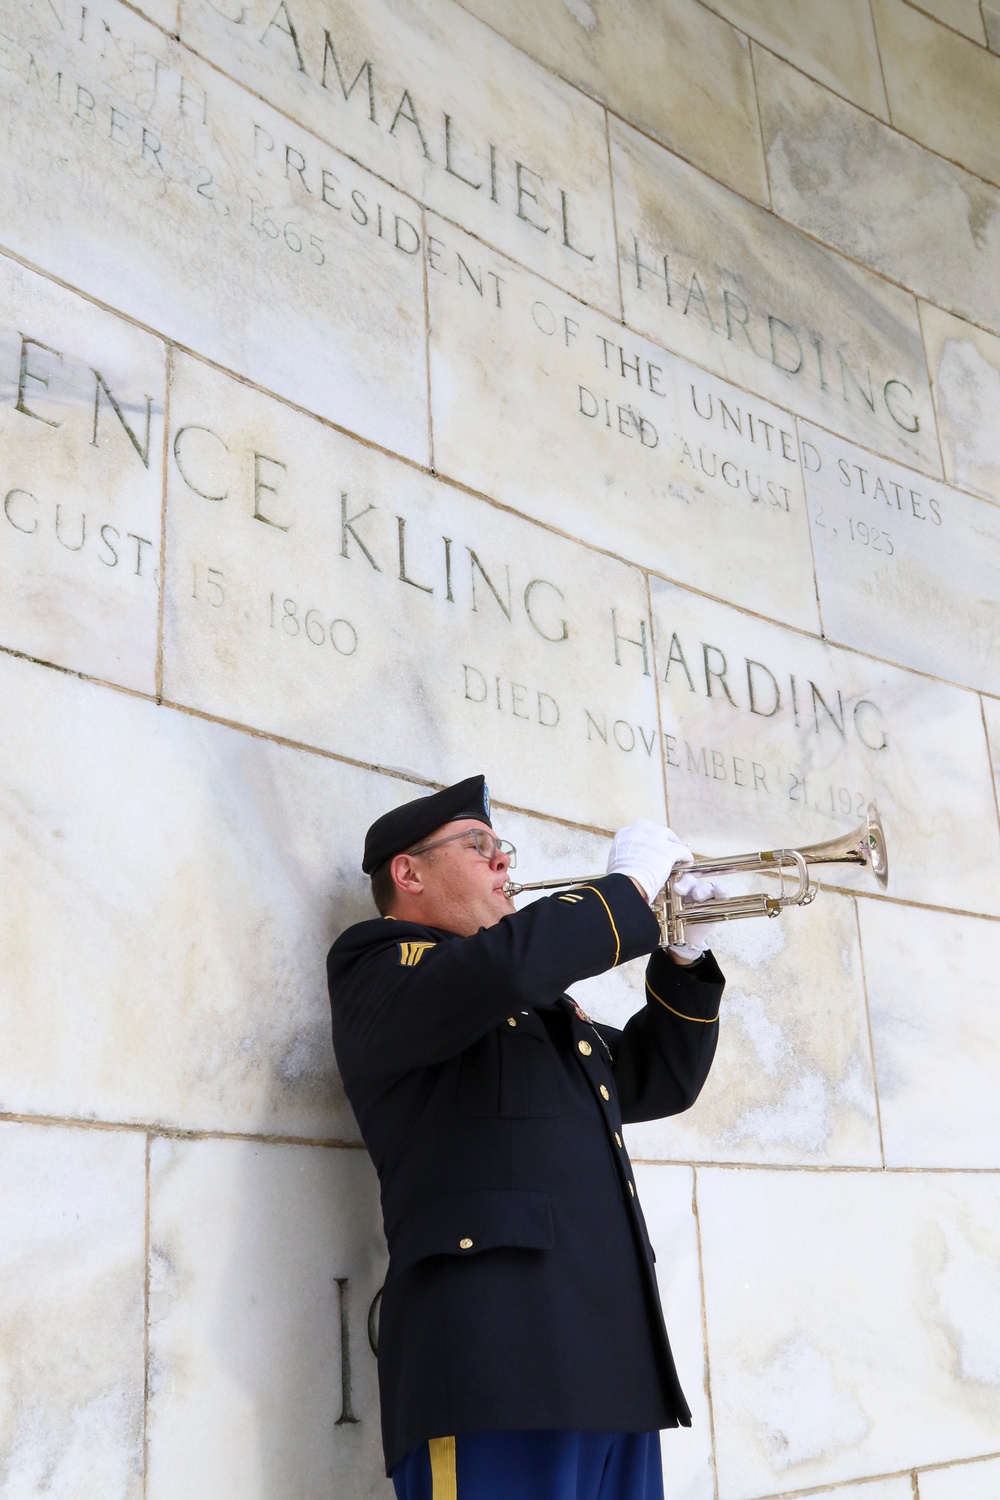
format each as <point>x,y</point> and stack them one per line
<point>866,846</point>
<point>511,887</point>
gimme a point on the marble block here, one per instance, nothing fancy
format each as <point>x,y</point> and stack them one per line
<point>851,1323</point>
<point>906,568</point>
<point>667,1197</point>
<point>991,718</point>
<point>932,980</point>
<point>174,196</point>
<point>81,474</point>
<point>72,1263</point>
<point>942,88</point>
<point>899,1488</point>
<point>442,107</point>
<point>172,890</point>
<point>852,182</point>
<point>654,66</point>
<point>322,591</point>
<point>965,366</point>
<point>164,13</point>
<point>970,1481</point>
<point>741,292</point>
<point>835,44</point>
<point>566,416</point>
<point>991,21</point>
<point>966,16</point>
<point>265,1262</point>
<point>774,740</point>
<point>792,1080</point>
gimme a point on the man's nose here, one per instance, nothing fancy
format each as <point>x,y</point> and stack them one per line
<point>500,861</point>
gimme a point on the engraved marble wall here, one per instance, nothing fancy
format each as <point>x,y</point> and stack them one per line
<point>851,181</point>
<point>599,394</point>
<point>740,292</point>
<point>652,459</point>
<point>940,87</point>
<point>804,1277</point>
<point>82,414</point>
<point>308,573</point>
<point>71,1310</point>
<point>975,1481</point>
<point>255,1267</point>
<point>208,216</point>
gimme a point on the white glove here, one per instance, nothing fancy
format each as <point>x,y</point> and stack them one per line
<point>647,852</point>
<point>698,938</point>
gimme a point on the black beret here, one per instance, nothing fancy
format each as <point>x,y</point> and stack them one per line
<point>407,825</point>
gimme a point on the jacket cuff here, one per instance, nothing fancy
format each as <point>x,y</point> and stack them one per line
<point>691,992</point>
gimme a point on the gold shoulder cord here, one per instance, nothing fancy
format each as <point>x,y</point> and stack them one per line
<point>607,908</point>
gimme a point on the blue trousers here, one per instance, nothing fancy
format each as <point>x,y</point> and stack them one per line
<point>533,1466</point>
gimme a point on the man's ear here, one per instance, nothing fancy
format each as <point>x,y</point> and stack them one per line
<point>407,875</point>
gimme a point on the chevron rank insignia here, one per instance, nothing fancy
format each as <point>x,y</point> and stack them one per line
<point>571,899</point>
<point>411,953</point>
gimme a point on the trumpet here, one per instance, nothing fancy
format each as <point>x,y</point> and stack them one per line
<point>866,846</point>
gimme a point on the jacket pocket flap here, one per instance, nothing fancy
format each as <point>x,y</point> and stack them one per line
<point>469,1222</point>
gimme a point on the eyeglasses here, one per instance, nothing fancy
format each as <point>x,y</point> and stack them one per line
<point>485,843</point>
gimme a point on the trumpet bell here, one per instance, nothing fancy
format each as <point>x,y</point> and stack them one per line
<point>865,846</point>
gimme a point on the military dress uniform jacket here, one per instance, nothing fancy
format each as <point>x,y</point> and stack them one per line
<point>521,1291</point>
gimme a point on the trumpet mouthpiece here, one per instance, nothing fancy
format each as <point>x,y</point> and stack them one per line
<point>511,888</point>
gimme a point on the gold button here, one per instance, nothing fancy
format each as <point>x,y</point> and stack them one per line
<point>465,1244</point>
<point>511,1021</point>
<point>618,1139</point>
<point>604,1092</point>
<point>630,1188</point>
<point>585,1048</point>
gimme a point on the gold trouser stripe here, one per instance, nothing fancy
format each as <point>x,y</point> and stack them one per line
<point>607,908</point>
<point>444,1479</point>
<point>702,1020</point>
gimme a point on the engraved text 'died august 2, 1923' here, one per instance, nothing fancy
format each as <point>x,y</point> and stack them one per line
<point>310,578</point>
<point>568,417</point>
<point>204,213</point>
<point>907,567</point>
<point>81,479</point>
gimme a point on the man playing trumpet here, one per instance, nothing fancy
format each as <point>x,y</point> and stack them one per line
<point>522,1349</point>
